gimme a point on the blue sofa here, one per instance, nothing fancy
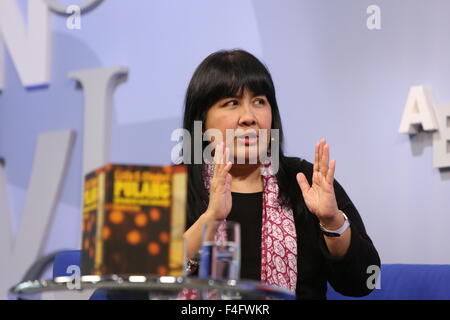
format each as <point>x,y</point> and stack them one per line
<point>398,281</point>
<point>407,282</point>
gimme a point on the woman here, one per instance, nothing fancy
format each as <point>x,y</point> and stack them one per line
<point>299,228</point>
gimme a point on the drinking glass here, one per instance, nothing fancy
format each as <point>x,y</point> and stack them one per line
<point>220,253</point>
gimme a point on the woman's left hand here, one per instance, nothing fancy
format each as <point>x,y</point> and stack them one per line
<point>320,198</point>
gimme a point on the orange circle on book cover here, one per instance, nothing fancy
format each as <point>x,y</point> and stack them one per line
<point>116,217</point>
<point>155,214</point>
<point>86,244</point>
<point>133,237</point>
<point>141,220</point>
<point>106,232</point>
<point>167,169</point>
<point>164,237</point>
<point>162,271</point>
<point>153,248</point>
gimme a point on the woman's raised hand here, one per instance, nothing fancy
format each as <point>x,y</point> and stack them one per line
<point>220,189</point>
<point>319,197</point>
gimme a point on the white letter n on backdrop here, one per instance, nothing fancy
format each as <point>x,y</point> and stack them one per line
<point>29,44</point>
<point>50,164</point>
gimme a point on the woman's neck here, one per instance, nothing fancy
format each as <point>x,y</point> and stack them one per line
<point>246,178</point>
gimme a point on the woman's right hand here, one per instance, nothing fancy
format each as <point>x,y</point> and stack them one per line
<point>219,200</point>
<point>220,187</point>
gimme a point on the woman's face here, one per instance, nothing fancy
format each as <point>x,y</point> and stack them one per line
<point>245,116</point>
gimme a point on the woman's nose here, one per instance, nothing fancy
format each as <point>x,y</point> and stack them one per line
<point>247,117</point>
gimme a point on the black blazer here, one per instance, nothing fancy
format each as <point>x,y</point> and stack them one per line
<point>348,274</point>
<point>315,266</point>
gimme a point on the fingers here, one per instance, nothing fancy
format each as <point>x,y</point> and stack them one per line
<point>321,157</point>
<point>318,155</point>
<point>217,155</point>
<point>303,183</point>
<point>221,163</point>
<point>330,173</point>
<point>323,168</point>
<point>228,163</point>
<point>325,158</point>
<point>228,179</point>
<point>316,158</point>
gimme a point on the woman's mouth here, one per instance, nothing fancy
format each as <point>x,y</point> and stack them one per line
<point>248,139</point>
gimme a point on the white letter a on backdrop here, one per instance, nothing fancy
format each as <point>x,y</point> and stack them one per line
<point>418,111</point>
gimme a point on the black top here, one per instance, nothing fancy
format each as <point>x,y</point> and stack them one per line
<point>315,266</point>
<point>247,210</point>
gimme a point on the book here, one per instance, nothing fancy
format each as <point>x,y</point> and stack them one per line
<point>134,220</point>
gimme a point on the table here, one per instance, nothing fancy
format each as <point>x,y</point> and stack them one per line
<point>159,287</point>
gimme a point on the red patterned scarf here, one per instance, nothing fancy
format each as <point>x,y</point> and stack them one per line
<point>278,234</point>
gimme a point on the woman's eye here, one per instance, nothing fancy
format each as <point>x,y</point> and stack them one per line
<point>231,103</point>
<point>260,101</point>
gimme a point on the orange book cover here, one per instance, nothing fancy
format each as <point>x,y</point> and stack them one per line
<point>133,220</point>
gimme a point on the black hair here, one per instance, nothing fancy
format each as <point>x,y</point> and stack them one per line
<point>223,74</point>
